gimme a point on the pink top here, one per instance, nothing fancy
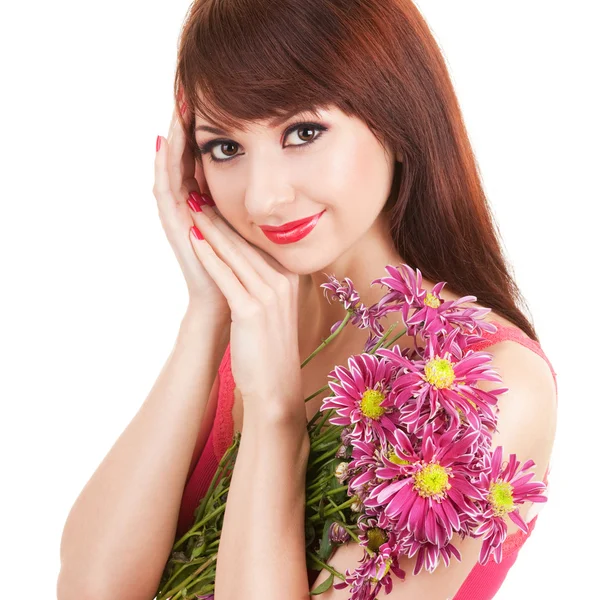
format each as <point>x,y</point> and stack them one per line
<point>482,582</point>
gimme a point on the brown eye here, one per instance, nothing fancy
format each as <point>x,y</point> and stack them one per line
<point>309,136</point>
<point>229,145</point>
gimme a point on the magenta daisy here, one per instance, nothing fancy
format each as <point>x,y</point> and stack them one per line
<point>363,397</point>
<point>506,487</point>
<point>362,317</point>
<point>443,378</point>
<point>431,313</point>
<point>382,552</point>
<point>438,489</point>
<point>367,458</point>
<point>428,555</point>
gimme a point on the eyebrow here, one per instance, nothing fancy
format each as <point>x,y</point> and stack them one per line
<point>276,121</point>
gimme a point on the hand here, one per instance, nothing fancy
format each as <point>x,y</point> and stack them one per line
<point>177,173</point>
<point>263,300</point>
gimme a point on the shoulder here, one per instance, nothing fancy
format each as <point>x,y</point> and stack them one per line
<point>529,405</point>
<point>527,412</point>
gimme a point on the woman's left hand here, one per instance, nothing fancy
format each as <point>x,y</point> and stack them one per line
<point>263,298</point>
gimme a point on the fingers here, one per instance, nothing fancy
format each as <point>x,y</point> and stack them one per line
<point>258,278</point>
<point>162,187</point>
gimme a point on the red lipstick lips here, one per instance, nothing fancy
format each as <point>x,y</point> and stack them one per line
<point>291,232</point>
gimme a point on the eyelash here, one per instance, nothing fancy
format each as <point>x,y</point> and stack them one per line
<point>206,148</point>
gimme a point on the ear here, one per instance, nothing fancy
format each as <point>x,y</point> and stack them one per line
<point>399,156</point>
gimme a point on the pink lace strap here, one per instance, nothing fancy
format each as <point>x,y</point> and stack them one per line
<point>507,332</point>
<point>223,423</point>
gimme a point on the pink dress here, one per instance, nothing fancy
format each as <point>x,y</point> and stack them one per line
<point>482,582</point>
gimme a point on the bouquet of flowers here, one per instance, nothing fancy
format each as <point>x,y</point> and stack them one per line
<point>400,452</point>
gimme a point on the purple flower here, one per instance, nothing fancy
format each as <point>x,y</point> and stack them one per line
<point>443,380</point>
<point>382,552</point>
<point>363,397</point>
<point>506,488</point>
<point>435,488</point>
<point>338,534</point>
<point>432,314</point>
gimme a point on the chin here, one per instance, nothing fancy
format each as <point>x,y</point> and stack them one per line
<point>307,261</point>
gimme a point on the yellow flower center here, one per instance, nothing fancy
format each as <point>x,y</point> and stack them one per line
<point>388,564</point>
<point>501,498</point>
<point>376,536</point>
<point>439,372</point>
<point>432,481</point>
<point>393,457</point>
<point>431,300</point>
<point>371,404</point>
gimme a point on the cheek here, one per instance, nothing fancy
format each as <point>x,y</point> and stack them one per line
<point>356,180</point>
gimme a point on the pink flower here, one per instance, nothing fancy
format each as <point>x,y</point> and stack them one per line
<point>363,397</point>
<point>363,317</point>
<point>428,555</point>
<point>445,379</point>
<point>382,552</point>
<point>431,313</point>
<point>506,488</point>
<point>435,488</point>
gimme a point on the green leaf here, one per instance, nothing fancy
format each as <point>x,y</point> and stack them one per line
<point>325,548</point>
<point>323,587</point>
<point>309,533</point>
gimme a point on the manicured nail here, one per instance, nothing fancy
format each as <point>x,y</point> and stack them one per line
<point>193,203</point>
<point>157,143</point>
<point>197,233</point>
<point>207,199</point>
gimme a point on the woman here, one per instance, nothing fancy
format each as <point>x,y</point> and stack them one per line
<point>340,113</point>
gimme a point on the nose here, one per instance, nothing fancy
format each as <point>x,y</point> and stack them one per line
<point>268,190</point>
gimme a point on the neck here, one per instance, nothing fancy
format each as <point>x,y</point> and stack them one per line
<point>364,262</point>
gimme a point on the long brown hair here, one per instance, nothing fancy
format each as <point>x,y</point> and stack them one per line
<point>376,60</point>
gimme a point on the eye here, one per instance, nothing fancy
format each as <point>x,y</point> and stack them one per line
<point>308,134</point>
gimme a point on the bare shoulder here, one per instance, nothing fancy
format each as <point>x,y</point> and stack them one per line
<point>527,412</point>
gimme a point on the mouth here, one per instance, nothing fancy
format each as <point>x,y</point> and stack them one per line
<point>291,232</point>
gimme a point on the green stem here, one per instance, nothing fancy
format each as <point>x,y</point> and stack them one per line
<point>329,339</point>
<point>325,387</point>
<point>175,593</point>
<point>321,458</point>
<point>329,493</point>
<point>197,526</point>
<point>324,566</point>
<point>397,337</point>
<point>223,464</point>
<point>331,432</point>
<point>328,513</point>
<point>351,533</point>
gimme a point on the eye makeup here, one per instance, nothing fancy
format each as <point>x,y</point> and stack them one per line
<point>206,148</point>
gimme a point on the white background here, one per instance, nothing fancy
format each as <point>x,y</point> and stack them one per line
<point>92,295</point>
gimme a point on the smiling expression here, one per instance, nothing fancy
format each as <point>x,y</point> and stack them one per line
<point>316,161</point>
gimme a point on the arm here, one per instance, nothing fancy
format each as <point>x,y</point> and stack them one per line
<point>526,427</point>
<point>262,553</point>
<point>119,532</point>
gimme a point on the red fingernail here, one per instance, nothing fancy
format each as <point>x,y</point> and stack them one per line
<point>157,143</point>
<point>197,198</point>
<point>197,233</point>
<point>207,199</point>
<point>193,203</point>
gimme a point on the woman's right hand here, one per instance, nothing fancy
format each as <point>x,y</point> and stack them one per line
<point>176,174</point>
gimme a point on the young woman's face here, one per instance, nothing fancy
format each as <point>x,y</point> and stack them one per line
<point>268,175</point>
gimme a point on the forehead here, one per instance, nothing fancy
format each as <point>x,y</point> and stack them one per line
<point>204,123</point>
